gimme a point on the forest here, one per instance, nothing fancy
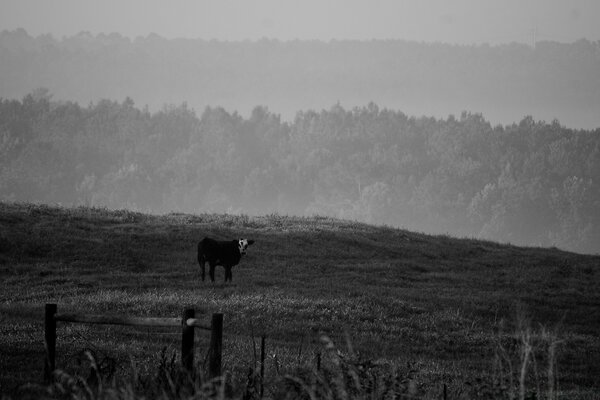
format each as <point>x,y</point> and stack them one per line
<point>503,82</point>
<point>529,183</point>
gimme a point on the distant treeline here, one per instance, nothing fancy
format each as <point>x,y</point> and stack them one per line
<point>527,183</point>
<point>503,82</point>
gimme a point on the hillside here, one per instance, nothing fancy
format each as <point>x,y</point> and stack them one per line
<point>441,305</point>
<point>528,183</point>
<point>504,82</point>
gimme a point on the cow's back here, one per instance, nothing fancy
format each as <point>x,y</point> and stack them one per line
<point>207,249</point>
<point>223,252</point>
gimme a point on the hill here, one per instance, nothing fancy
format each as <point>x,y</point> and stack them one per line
<point>528,183</point>
<point>453,310</point>
<point>504,82</point>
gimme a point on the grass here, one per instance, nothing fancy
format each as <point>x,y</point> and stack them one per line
<point>447,307</point>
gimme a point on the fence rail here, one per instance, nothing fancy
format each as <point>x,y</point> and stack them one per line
<point>130,321</point>
<point>187,323</point>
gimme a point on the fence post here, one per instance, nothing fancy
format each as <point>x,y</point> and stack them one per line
<point>216,346</point>
<point>50,341</point>
<point>187,341</point>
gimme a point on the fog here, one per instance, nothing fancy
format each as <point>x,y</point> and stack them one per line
<point>458,22</point>
<point>472,118</point>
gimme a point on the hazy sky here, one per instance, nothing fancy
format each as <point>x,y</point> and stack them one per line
<point>453,21</point>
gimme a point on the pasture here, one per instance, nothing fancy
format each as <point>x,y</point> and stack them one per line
<point>436,309</point>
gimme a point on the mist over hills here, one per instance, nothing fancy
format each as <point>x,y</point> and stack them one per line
<point>503,82</point>
<point>308,127</point>
<point>528,183</point>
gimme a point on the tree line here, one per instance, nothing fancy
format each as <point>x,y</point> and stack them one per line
<point>504,82</point>
<point>531,182</point>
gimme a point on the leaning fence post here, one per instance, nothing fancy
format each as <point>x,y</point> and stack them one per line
<point>50,341</point>
<point>216,345</point>
<point>187,341</point>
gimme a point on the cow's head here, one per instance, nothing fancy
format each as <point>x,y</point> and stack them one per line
<point>243,245</point>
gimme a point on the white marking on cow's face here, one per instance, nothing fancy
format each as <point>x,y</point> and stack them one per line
<point>243,245</point>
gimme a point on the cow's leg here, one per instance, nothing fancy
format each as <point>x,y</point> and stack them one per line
<point>228,275</point>
<point>203,266</point>
<point>201,259</point>
<point>211,270</point>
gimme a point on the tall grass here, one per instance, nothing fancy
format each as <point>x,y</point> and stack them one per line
<point>525,362</point>
<point>524,367</point>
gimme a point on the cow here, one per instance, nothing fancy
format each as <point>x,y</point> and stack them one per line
<point>225,253</point>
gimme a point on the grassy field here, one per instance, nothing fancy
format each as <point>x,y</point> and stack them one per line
<point>433,310</point>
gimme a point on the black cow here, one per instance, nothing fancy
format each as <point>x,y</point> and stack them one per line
<point>225,253</point>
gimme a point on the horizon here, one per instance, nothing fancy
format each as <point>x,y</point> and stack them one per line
<point>463,22</point>
<point>131,39</point>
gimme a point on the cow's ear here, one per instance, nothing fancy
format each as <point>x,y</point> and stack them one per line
<point>250,242</point>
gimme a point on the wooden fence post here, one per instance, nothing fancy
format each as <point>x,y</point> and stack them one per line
<point>187,341</point>
<point>188,325</point>
<point>50,342</point>
<point>216,346</point>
